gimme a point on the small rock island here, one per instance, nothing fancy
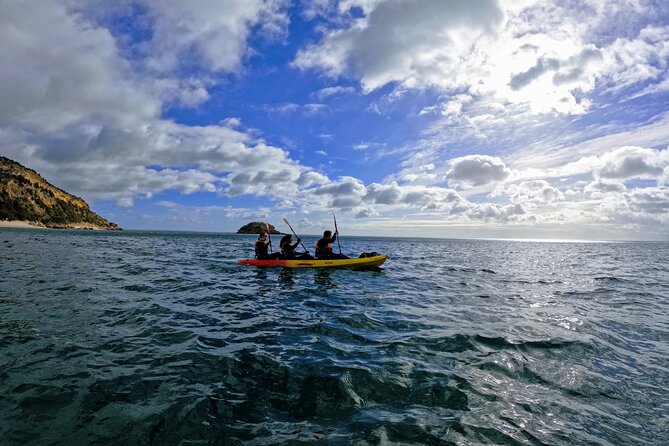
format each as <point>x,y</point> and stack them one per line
<point>256,227</point>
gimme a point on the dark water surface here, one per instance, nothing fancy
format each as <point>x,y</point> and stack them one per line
<point>159,338</point>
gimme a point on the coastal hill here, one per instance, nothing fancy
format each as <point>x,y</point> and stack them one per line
<point>256,227</point>
<point>26,196</point>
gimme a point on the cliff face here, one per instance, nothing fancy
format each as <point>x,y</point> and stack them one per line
<point>25,195</point>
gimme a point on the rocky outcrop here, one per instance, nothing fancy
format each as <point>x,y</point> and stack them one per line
<point>26,196</point>
<point>256,227</point>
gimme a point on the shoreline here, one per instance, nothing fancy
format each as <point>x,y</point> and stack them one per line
<point>25,224</point>
<point>19,224</point>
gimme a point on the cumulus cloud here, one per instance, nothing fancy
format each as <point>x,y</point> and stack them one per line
<point>367,213</point>
<point>73,106</point>
<point>305,223</point>
<point>637,59</point>
<point>646,208</point>
<point>491,211</point>
<point>351,193</point>
<point>538,52</point>
<point>477,170</point>
<point>553,196</point>
<point>604,187</point>
<point>534,192</point>
<point>58,71</point>
<point>125,183</point>
<point>653,200</point>
<point>429,198</point>
<point>404,41</point>
<point>311,178</point>
<point>345,186</point>
<point>212,32</point>
<point>632,162</point>
<point>383,194</point>
<point>535,57</point>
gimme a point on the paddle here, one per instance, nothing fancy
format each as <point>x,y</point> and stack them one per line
<point>291,228</point>
<point>269,237</point>
<point>336,230</point>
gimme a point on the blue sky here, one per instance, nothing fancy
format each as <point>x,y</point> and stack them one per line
<point>434,118</point>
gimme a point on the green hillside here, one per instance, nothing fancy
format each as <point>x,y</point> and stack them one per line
<point>25,195</point>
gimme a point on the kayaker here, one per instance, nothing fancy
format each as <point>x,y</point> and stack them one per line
<point>261,248</point>
<point>324,247</point>
<point>288,248</point>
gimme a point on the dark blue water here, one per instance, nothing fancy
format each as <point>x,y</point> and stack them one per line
<point>159,338</point>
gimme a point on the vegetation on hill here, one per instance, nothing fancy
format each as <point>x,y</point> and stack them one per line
<point>25,195</point>
<point>256,227</point>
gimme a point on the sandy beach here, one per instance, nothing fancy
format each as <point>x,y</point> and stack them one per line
<point>34,225</point>
<point>18,224</point>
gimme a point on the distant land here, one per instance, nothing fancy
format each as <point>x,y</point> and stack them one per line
<point>256,227</point>
<point>27,197</point>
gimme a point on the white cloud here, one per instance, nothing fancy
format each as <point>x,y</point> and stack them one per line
<point>539,53</point>
<point>383,194</point>
<point>533,192</point>
<point>490,211</point>
<point>212,32</point>
<point>345,193</point>
<point>429,198</point>
<point>311,9</point>
<point>313,108</point>
<point>57,70</point>
<point>476,170</point>
<point>311,178</point>
<point>325,93</point>
<point>367,213</point>
<point>604,187</point>
<point>632,162</point>
<point>350,193</point>
<point>654,201</point>
<point>404,41</point>
<point>232,212</point>
<point>642,58</point>
<point>168,204</point>
<point>72,107</point>
<point>284,108</point>
<point>305,223</point>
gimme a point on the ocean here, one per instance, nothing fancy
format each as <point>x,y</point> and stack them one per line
<point>159,338</point>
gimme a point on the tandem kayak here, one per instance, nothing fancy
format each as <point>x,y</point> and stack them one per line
<point>364,262</point>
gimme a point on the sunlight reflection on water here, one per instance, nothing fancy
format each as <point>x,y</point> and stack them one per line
<point>160,338</point>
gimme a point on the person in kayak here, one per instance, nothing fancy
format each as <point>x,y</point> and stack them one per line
<point>288,249</point>
<point>261,248</point>
<point>324,247</point>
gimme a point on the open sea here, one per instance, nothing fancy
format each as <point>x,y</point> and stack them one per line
<point>159,338</point>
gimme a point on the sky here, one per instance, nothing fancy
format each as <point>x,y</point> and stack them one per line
<point>413,118</point>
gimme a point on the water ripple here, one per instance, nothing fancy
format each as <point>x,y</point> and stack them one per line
<point>159,338</point>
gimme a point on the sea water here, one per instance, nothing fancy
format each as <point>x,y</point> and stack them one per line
<point>160,338</point>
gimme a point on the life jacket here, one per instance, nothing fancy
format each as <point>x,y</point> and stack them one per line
<point>285,245</point>
<point>261,249</point>
<point>287,249</point>
<point>323,250</point>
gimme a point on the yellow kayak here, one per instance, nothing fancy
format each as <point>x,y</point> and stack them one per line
<point>364,262</point>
